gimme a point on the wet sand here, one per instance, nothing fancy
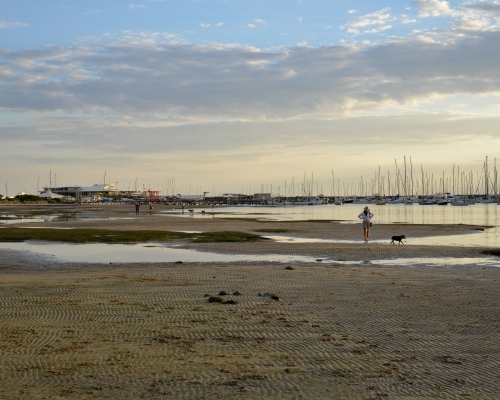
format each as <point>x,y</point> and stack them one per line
<point>147,331</point>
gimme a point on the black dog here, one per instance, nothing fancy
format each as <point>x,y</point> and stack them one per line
<point>398,239</point>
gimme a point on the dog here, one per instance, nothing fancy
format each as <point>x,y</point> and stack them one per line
<point>398,239</point>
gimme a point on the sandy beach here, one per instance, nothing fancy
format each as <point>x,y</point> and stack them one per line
<point>139,330</point>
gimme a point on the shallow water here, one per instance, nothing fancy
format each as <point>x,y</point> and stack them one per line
<point>151,252</point>
<point>428,261</point>
<point>487,238</point>
<point>9,219</point>
<point>476,214</point>
<point>144,252</point>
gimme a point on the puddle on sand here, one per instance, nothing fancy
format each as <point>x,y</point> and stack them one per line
<point>425,261</point>
<point>486,238</point>
<point>157,252</point>
<point>143,252</point>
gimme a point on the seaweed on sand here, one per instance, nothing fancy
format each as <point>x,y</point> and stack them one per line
<point>116,236</point>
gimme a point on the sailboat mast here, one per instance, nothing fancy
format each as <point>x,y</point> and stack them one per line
<point>405,176</point>
<point>411,176</point>
<point>486,188</point>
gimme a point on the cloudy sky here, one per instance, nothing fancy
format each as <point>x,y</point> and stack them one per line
<point>229,95</point>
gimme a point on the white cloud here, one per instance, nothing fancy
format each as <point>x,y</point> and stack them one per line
<point>376,18</point>
<point>434,8</point>
<point>258,21</point>
<point>152,74</point>
<point>7,24</point>
<point>204,25</point>
<point>407,20</point>
<point>220,24</point>
<point>132,6</point>
<point>352,11</point>
<point>299,19</point>
<point>378,30</point>
<point>251,26</point>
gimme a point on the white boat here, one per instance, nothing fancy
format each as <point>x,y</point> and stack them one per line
<point>361,201</point>
<point>300,202</point>
<point>308,202</point>
<point>427,202</point>
<point>396,201</point>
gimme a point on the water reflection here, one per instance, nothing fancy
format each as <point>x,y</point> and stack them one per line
<point>9,219</point>
<point>477,214</point>
<point>140,253</point>
<point>487,238</point>
<point>121,253</point>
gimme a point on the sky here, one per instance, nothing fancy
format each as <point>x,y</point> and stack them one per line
<point>228,96</point>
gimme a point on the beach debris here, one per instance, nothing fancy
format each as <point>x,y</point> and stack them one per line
<point>319,259</point>
<point>216,299</point>
<point>236,293</point>
<point>271,295</point>
<point>179,262</point>
<point>291,370</point>
<point>289,268</point>
<point>231,302</point>
<point>223,293</point>
<point>206,295</point>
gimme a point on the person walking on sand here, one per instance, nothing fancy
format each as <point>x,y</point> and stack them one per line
<point>366,216</point>
<point>137,206</point>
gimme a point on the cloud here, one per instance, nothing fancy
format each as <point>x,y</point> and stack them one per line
<point>251,26</point>
<point>434,8</point>
<point>7,24</point>
<point>352,11</point>
<point>299,19</point>
<point>405,19</point>
<point>132,6</point>
<point>152,77</point>
<point>382,17</point>
<point>220,24</point>
<point>203,25</point>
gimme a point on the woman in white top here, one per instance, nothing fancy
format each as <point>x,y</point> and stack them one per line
<point>366,216</point>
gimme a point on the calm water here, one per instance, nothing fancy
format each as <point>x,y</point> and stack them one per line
<point>150,252</point>
<point>139,253</point>
<point>9,219</point>
<point>477,214</point>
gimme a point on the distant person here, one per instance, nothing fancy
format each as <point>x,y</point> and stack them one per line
<point>150,206</point>
<point>137,206</point>
<point>366,217</point>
